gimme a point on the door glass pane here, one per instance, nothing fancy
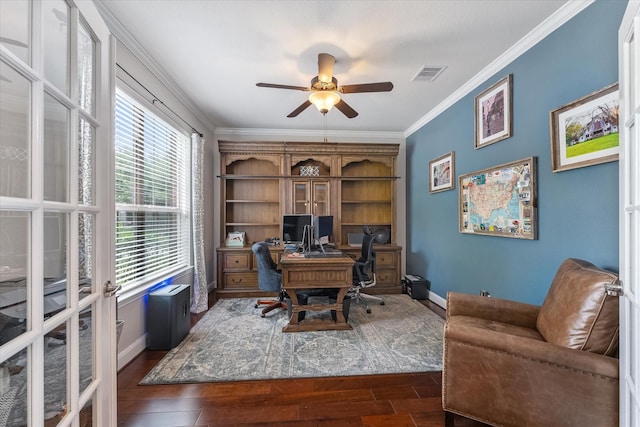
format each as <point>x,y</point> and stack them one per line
<point>633,347</point>
<point>56,149</point>
<point>86,54</point>
<point>14,28</point>
<point>632,154</point>
<point>86,166</point>
<point>632,66</point>
<point>15,235</point>
<point>55,374</point>
<point>13,389</point>
<point>55,263</point>
<point>56,43</point>
<point>86,236</point>
<point>86,348</point>
<point>321,198</point>
<point>300,198</point>
<point>87,414</point>
<point>15,170</point>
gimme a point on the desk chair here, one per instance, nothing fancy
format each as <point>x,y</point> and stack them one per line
<point>269,278</point>
<point>364,269</point>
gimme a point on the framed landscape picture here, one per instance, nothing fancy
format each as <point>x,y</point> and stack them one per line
<point>585,131</point>
<point>500,200</point>
<point>494,113</point>
<point>442,173</point>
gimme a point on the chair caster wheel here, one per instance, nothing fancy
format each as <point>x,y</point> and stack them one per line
<point>262,315</point>
<point>381,302</point>
<point>368,311</point>
<point>256,306</point>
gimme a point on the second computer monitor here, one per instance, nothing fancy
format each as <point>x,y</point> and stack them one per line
<point>322,228</point>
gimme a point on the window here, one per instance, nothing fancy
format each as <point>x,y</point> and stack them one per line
<point>153,226</point>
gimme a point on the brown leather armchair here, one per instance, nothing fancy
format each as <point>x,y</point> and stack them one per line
<point>507,363</point>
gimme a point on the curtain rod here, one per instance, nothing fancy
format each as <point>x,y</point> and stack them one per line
<point>155,98</point>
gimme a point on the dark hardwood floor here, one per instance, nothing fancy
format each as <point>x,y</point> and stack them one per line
<point>371,401</point>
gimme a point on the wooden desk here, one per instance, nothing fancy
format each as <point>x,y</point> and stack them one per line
<point>316,273</point>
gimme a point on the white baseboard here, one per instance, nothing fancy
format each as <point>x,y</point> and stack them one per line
<point>128,354</point>
<point>437,299</point>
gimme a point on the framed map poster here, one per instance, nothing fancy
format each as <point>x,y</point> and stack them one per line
<point>500,201</point>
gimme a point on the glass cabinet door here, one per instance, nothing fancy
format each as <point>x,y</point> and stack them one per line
<point>311,197</point>
<point>301,198</point>
<point>320,198</point>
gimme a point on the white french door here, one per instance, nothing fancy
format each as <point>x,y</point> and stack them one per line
<point>57,327</point>
<point>629,71</point>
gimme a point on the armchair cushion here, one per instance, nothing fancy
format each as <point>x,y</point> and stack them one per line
<point>577,313</point>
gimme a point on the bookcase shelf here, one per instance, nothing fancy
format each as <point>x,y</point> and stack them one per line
<point>261,181</point>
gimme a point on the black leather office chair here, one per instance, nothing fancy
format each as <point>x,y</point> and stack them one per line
<point>269,278</point>
<point>364,269</point>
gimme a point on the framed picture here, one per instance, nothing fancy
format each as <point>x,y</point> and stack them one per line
<point>442,173</point>
<point>494,113</point>
<point>585,131</point>
<point>500,200</point>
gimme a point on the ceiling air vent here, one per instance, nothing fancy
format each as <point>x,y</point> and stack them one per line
<point>428,73</point>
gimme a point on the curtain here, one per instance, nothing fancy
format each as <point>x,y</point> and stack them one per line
<point>200,292</point>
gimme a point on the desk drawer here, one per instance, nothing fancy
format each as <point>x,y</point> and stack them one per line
<point>237,261</point>
<point>240,281</point>
<point>386,277</point>
<point>385,259</point>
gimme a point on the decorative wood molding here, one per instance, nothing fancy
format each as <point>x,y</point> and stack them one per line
<point>234,157</point>
<point>325,160</point>
<point>387,161</point>
<point>309,148</point>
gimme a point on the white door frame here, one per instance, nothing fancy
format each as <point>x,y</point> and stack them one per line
<point>629,124</point>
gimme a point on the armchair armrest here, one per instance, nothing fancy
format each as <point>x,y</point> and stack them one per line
<point>496,309</point>
<point>552,356</point>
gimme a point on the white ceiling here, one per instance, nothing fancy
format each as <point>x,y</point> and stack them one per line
<point>216,51</point>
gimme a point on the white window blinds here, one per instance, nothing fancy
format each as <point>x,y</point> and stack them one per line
<point>152,195</point>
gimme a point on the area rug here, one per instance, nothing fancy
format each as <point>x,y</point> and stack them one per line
<point>232,342</point>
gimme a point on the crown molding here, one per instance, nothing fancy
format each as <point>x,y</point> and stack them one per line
<point>549,25</point>
<point>121,33</point>
<point>560,17</point>
<point>308,135</point>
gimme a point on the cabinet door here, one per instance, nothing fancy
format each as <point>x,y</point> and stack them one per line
<point>301,197</point>
<point>320,198</point>
<point>311,197</point>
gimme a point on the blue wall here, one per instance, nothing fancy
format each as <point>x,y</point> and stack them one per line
<point>577,209</point>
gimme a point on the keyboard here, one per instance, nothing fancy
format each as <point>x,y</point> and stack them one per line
<point>320,254</point>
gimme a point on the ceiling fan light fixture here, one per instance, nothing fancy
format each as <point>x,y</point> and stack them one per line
<point>324,100</point>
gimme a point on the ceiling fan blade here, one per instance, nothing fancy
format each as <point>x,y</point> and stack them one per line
<point>300,109</point>
<point>346,109</point>
<point>367,87</point>
<point>277,86</point>
<point>326,63</point>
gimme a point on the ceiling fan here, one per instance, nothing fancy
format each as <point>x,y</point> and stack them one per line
<point>325,91</point>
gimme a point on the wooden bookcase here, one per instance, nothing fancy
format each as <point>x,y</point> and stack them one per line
<point>261,181</point>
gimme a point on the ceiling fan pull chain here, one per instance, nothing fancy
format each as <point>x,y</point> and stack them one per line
<point>325,127</point>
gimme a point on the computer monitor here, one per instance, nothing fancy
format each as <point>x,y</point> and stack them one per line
<point>322,228</point>
<point>293,227</point>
